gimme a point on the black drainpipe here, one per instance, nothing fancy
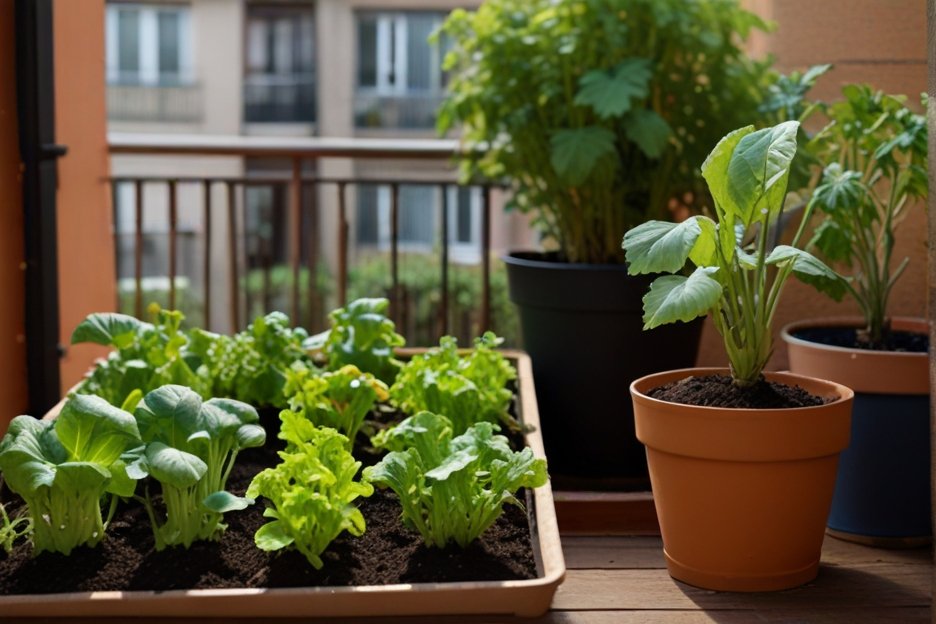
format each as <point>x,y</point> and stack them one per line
<point>35,100</point>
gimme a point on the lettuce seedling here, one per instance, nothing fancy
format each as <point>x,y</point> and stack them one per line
<point>452,490</point>
<point>146,356</point>
<point>312,491</point>
<point>362,335</point>
<point>339,400</point>
<point>63,469</point>
<point>466,388</point>
<point>251,366</point>
<point>190,448</point>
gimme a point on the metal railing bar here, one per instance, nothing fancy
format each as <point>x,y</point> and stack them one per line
<point>486,260</point>
<point>445,260</point>
<point>232,256</point>
<point>138,251</point>
<point>305,180</point>
<point>173,234</point>
<point>289,147</point>
<point>206,267</point>
<point>295,232</point>
<point>342,246</point>
<point>313,253</point>
<point>395,303</point>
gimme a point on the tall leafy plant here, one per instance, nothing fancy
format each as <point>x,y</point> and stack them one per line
<point>874,151</point>
<point>737,277</point>
<point>600,113</point>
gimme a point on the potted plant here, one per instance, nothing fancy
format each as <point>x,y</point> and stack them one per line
<point>742,462</point>
<point>599,116</point>
<point>874,151</point>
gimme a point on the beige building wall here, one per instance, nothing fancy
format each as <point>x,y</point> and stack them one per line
<point>879,42</point>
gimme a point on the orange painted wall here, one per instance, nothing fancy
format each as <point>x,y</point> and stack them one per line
<point>13,391</point>
<point>86,248</point>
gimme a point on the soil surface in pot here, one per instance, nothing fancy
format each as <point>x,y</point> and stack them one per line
<point>720,391</point>
<point>387,553</point>
<point>847,337</point>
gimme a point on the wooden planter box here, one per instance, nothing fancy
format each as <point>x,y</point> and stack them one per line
<point>524,598</point>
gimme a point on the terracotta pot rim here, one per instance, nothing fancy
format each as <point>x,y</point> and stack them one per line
<point>844,393</point>
<point>786,334</point>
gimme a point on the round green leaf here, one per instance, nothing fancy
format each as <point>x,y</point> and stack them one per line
<point>272,536</point>
<point>174,467</point>
<point>223,502</point>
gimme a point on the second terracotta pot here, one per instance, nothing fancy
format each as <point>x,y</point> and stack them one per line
<point>742,494</point>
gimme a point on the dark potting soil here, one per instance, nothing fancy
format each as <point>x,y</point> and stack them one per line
<point>387,553</point>
<point>847,337</point>
<point>720,391</point>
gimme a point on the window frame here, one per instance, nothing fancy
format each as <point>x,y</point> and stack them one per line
<point>148,72</point>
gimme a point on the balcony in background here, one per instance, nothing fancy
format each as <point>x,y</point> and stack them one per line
<point>159,103</point>
<point>408,110</point>
<point>279,98</point>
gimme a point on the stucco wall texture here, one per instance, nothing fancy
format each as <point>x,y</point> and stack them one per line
<point>871,41</point>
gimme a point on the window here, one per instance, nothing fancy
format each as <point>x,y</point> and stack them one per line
<point>149,45</point>
<point>279,84</point>
<point>399,72</point>
<point>419,219</point>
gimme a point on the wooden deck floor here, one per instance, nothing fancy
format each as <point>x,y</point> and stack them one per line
<point>623,580</point>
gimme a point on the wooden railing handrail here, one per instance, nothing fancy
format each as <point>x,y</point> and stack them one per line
<point>282,147</point>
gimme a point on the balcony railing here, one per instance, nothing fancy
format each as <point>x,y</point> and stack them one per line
<point>274,98</point>
<point>161,103</point>
<point>406,110</point>
<point>315,209</point>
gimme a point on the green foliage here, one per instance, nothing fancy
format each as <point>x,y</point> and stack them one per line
<point>11,529</point>
<point>312,492</point>
<point>250,366</point>
<point>362,335</point>
<point>600,113</point>
<point>190,448</point>
<point>739,284</point>
<point>64,468</point>
<point>465,388</point>
<point>872,153</point>
<point>452,490</point>
<point>339,400</point>
<point>147,355</point>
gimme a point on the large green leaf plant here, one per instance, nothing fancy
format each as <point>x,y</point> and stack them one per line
<point>600,113</point>
<point>737,276</point>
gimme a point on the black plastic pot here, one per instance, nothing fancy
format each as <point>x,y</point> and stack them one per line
<point>582,326</point>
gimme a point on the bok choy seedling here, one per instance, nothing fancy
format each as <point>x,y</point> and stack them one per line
<point>64,468</point>
<point>190,448</point>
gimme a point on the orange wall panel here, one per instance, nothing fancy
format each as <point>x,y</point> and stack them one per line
<point>13,390</point>
<point>85,241</point>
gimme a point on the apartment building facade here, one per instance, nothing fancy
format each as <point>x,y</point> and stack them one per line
<point>328,68</point>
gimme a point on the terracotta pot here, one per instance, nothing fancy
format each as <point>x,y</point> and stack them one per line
<point>742,494</point>
<point>882,494</point>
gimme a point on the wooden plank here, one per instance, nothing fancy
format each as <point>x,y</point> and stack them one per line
<point>603,552</point>
<point>871,585</point>
<point>645,552</point>
<point>607,513</point>
<point>901,615</point>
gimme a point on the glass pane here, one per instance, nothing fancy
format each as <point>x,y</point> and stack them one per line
<point>168,45</point>
<point>306,44</point>
<point>418,50</point>
<point>283,47</point>
<point>367,51</point>
<point>256,45</point>
<point>367,224</point>
<point>128,44</point>
<point>417,214</point>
